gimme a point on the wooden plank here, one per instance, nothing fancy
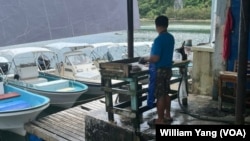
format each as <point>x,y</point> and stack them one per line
<point>81,111</point>
<point>64,118</point>
<point>80,116</point>
<point>69,116</point>
<point>71,125</point>
<point>112,73</point>
<point>66,115</point>
<point>78,110</point>
<point>115,69</point>
<point>63,125</point>
<point>113,66</point>
<point>131,60</point>
<point>94,106</point>
<point>8,95</point>
<point>78,124</point>
<point>67,125</point>
<point>88,107</point>
<point>116,90</point>
<point>55,130</point>
<point>42,133</point>
<point>72,130</point>
<point>98,103</point>
<point>123,68</point>
<point>68,130</point>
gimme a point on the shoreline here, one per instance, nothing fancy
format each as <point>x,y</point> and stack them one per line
<point>181,21</point>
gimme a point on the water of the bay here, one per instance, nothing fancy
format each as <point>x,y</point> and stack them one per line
<point>198,33</point>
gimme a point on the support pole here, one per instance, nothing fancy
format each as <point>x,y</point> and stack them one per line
<point>130,17</point>
<point>242,58</point>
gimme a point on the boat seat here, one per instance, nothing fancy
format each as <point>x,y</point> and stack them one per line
<point>9,95</point>
<point>68,89</point>
<point>29,73</point>
<point>14,105</point>
<point>53,85</point>
<point>35,80</point>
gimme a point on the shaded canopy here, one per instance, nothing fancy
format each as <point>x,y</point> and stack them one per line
<point>28,21</point>
<point>20,51</point>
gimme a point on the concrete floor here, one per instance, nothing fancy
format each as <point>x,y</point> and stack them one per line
<point>201,110</point>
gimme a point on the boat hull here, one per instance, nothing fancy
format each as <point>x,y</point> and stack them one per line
<point>18,110</point>
<point>94,92</point>
<point>63,100</point>
<point>14,121</point>
<point>61,92</point>
<point>59,99</point>
<point>94,89</point>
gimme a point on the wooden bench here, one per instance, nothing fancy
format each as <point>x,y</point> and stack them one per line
<point>8,95</point>
<point>230,77</point>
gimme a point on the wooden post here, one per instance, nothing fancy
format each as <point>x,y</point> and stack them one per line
<point>243,58</point>
<point>108,98</point>
<point>135,103</point>
<point>130,29</point>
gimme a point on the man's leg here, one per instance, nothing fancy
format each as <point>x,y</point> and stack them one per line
<point>167,97</point>
<point>160,109</point>
<point>163,100</point>
<point>167,101</point>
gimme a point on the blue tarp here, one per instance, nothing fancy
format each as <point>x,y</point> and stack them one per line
<point>234,40</point>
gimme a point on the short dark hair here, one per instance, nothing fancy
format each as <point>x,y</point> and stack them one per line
<point>161,21</point>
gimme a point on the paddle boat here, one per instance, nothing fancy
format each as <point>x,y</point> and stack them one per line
<point>18,106</point>
<point>24,74</point>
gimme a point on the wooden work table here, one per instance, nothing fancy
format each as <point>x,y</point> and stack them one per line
<point>130,74</point>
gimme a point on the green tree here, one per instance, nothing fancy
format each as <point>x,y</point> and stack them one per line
<point>193,9</point>
<point>153,8</point>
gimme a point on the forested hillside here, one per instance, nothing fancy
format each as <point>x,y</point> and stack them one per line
<point>176,9</point>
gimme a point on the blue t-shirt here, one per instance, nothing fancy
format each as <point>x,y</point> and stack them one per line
<point>163,46</point>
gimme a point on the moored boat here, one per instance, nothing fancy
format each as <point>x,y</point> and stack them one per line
<point>77,65</point>
<point>81,60</point>
<point>18,106</point>
<point>24,74</point>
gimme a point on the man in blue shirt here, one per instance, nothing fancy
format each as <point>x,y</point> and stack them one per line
<point>161,55</point>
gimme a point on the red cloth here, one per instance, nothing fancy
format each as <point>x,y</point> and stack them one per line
<point>227,31</point>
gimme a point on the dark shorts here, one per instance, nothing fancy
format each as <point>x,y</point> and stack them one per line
<point>163,78</point>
